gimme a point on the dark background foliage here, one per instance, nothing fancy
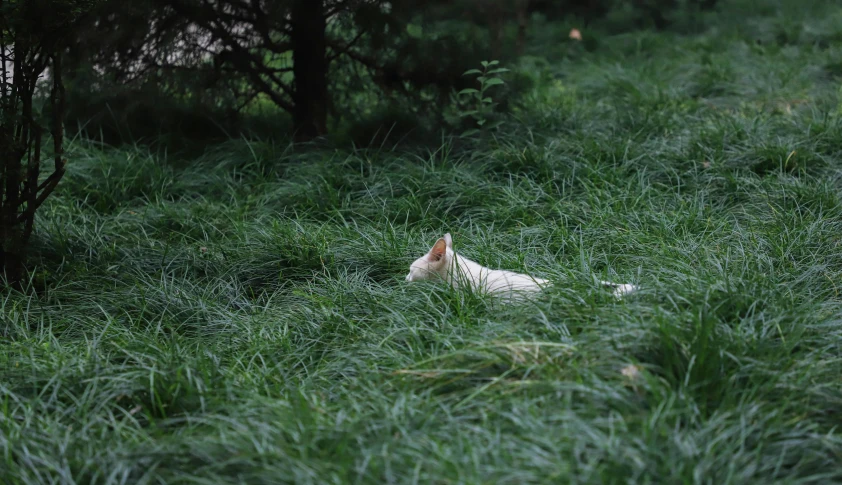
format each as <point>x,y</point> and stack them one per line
<point>147,69</point>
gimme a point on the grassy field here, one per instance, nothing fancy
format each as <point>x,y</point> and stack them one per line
<point>242,317</point>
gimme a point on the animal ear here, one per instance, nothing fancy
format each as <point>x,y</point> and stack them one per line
<point>439,250</point>
<point>448,241</point>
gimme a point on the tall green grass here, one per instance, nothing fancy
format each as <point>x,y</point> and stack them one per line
<point>242,317</point>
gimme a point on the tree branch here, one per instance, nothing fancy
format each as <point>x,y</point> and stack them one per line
<point>338,52</point>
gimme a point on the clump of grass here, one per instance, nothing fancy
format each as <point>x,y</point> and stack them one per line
<point>242,317</point>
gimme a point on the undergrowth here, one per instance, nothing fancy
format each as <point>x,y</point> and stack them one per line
<point>242,317</point>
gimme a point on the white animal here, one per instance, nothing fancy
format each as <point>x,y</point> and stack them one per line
<point>442,263</point>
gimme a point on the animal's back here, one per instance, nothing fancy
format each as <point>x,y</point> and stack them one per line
<point>497,280</point>
<point>504,281</point>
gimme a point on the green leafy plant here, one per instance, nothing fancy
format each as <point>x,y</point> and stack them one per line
<point>478,103</point>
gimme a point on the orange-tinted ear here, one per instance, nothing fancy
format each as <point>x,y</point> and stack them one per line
<point>438,251</point>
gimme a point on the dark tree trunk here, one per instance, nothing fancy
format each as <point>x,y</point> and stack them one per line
<point>494,14</point>
<point>11,267</point>
<point>310,64</point>
<point>522,7</point>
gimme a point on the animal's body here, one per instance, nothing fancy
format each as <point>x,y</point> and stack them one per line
<point>442,263</point>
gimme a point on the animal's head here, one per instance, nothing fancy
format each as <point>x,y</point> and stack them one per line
<point>435,264</point>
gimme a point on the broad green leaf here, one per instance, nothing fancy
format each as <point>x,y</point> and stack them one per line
<point>495,125</point>
<point>415,31</point>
